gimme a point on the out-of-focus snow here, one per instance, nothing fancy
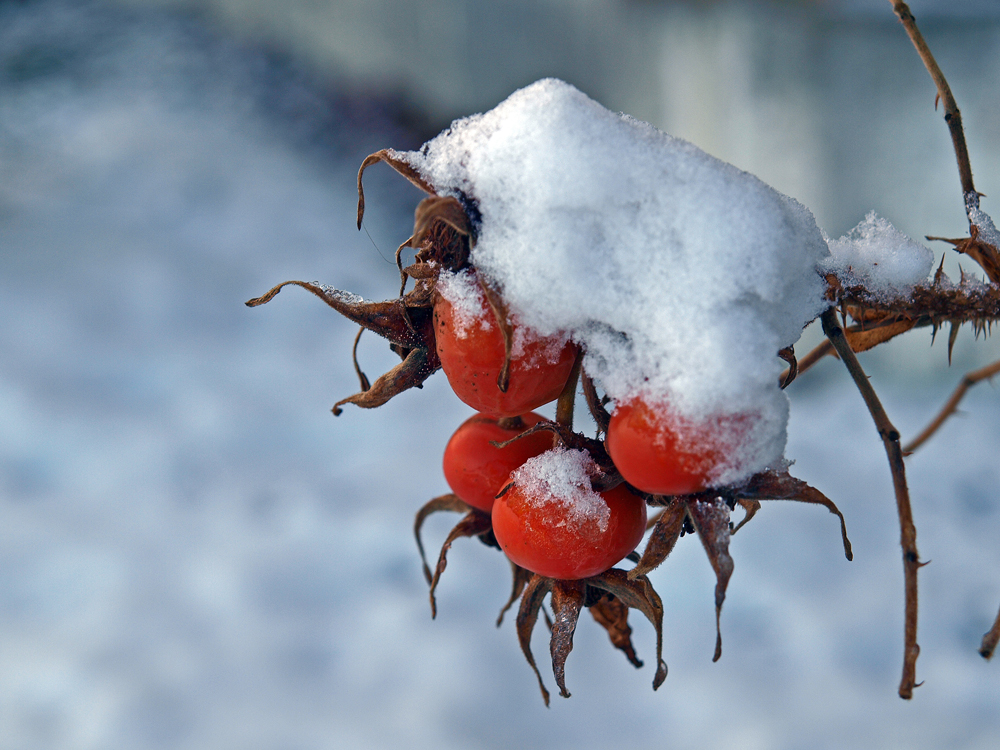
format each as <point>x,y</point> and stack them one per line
<point>681,275</point>
<point>197,555</point>
<point>879,257</point>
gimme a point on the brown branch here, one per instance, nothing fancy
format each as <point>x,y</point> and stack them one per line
<point>564,405</point>
<point>970,379</point>
<point>990,640</point>
<point>908,532</point>
<point>951,114</point>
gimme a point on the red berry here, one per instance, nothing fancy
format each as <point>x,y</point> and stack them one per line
<point>471,349</point>
<point>551,522</point>
<point>476,470</point>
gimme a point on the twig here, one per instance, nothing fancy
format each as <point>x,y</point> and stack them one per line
<point>565,403</point>
<point>951,114</point>
<point>970,379</point>
<point>990,640</point>
<point>908,532</point>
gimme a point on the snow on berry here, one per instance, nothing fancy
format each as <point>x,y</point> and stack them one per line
<point>681,275</point>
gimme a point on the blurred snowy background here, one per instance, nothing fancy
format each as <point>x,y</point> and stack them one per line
<point>195,554</point>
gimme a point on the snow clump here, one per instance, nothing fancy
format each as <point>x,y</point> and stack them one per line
<point>879,257</point>
<point>561,477</point>
<point>681,275</point>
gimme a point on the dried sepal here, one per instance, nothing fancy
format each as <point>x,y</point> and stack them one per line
<point>502,317</point>
<point>780,485</point>
<point>567,600</point>
<point>531,602</point>
<point>750,507</point>
<point>391,158</point>
<point>410,373</point>
<point>365,382</point>
<point>475,523</point>
<point>788,354</point>
<point>711,520</point>
<point>611,614</point>
<point>636,592</point>
<point>450,502</point>
<point>519,579</point>
<point>661,542</point>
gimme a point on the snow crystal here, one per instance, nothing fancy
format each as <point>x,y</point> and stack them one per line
<point>348,298</point>
<point>879,257</point>
<point>987,229</point>
<point>561,477</point>
<point>467,301</point>
<point>681,275</point>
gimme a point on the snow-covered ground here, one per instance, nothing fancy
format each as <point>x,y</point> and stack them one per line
<point>196,554</point>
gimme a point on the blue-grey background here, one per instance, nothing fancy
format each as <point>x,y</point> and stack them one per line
<point>195,554</point>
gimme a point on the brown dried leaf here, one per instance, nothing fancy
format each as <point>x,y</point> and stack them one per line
<point>476,522</point>
<point>771,485</point>
<point>637,593</point>
<point>865,339</point>
<point>448,502</point>
<point>410,373</point>
<point>711,520</point>
<point>612,615</point>
<point>520,578</point>
<point>502,317</point>
<point>788,354</point>
<point>750,507</point>
<point>390,158</point>
<point>661,542</point>
<point>531,602</point>
<point>567,600</point>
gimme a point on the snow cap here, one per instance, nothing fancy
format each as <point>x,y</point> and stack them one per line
<point>681,275</point>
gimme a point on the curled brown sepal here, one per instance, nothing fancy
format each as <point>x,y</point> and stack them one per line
<point>636,593</point>
<point>448,502</point>
<point>750,508</point>
<point>531,602</point>
<point>788,354</point>
<point>611,614</point>
<point>406,323</point>
<point>519,579</point>
<point>780,485</point>
<point>595,403</point>
<point>500,313</point>
<point>387,319</point>
<point>567,601</point>
<point>475,523</point>
<point>661,541</point>
<point>392,158</point>
<point>711,520</point>
<point>983,253</point>
<point>990,640</point>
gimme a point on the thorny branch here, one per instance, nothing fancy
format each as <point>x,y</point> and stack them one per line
<point>970,379</point>
<point>908,532</point>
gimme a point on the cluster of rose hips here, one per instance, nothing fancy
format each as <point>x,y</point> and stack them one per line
<point>565,508</point>
<point>483,459</point>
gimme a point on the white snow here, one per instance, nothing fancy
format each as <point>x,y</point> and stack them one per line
<point>681,275</point>
<point>879,257</point>
<point>467,301</point>
<point>561,477</point>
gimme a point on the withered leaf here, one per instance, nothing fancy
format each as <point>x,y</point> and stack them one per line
<point>531,602</point>
<point>711,521</point>
<point>637,593</point>
<point>750,508</point>
<point>389,157</point>
<point>450,502</point>
<point>476,522</point>
<point>612,615</point>
<point>661,542</point>
<point>567,600</point>
<point>868,338</point>
<point>772,485</point>
<point>520,578</point>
